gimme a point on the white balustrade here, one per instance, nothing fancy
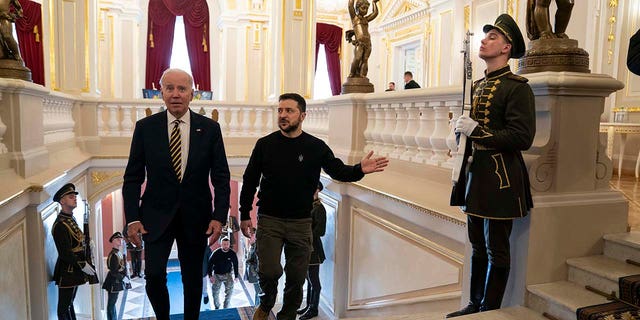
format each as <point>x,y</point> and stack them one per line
<point>387,130</point>
<point>127,123</point>
<point>409,135</point>
<point>427,126</point>
<point>100,120</point>
<point>439,137</point>
<point>234,124</point>
<point>258,127</point>
<point>57,120</point>
<point>455,110</point>
<point>112,123</point>
<point>3,129</point>
<point>401,126</point>
<point>246,126</point>
<point>368,139</point>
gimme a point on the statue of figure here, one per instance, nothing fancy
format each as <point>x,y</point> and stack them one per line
<point>362,41</point>
<point>9,46</point>
<point>538,25</point>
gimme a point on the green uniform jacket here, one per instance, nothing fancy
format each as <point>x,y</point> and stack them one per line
<point>113,282</point>
<point>69,241</point>
<point>496,183</point>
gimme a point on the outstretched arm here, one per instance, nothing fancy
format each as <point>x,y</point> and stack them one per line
<point>373,14</point>
<point>352,10</point>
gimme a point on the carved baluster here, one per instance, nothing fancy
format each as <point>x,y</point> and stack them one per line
<point>409,135</point>
<point>113,120</point>
<point>234,124</point>
<point>439,137</point>
<point>258,126</point>
<point>400,128</point>
<point>424,133</point>
<point>246,126</point>
<point>127,124</point>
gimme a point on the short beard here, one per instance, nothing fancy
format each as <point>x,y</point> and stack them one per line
<point>290,128</point>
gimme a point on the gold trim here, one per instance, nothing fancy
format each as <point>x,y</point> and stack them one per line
<point>504,168</point>
<point>409,203</point>
<point>467,17</point>
<point>311,50</point>
<point>98,177</point>
<point>112,77</point>
<point>447,255</point>
<point>52,47</point>
<point>87,65</point>
<point>613,4</point>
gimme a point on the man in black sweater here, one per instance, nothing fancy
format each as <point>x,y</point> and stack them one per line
<point>220,264</point>
<point>287,164</point>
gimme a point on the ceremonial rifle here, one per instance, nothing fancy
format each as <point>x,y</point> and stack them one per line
<point>87,243</point>
<point>458,172</point>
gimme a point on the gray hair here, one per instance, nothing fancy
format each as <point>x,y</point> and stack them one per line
<point>177,70</point>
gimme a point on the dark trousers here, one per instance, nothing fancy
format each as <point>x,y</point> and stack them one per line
<point>65,303</point>
<point>111,306</point>
<point>274,234</point>
<point>490,240</point>
<point>136,262</point>
<point>190,256</point>
<point>313,287</point>
<point>490,261</point>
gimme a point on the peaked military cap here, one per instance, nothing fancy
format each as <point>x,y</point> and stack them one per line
<point>65,190</point>
<point>509,28</point>
<point>115,235</point>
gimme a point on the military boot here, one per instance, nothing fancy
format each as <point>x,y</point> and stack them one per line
<point>494,288</point>
<point>477,283</point>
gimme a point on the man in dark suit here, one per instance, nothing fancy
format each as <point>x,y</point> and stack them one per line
<point>409,83</point>
<point>176,151</point>
<point>633,56</point>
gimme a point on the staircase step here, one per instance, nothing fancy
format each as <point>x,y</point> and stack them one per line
<point>512,313</point>
<point>560,299</point>
<point>622,246</point>
<point>600,272</point>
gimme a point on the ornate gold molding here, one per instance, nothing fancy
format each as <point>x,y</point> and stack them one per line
<point>98,177</point>
<point>613,4</point>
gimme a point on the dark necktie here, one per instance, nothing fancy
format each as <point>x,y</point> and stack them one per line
<point>175,149</point>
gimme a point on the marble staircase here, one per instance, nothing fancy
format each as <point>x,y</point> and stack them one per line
<point>560,300</point>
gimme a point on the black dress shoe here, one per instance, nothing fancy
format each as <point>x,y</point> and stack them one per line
<point>311,313</point>
<point>469,309</point>
<point>302,310</point>
<point>205,299</point>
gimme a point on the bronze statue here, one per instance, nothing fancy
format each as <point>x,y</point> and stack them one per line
<point>360,31</point>
<point>538,25</point>
<point>9,46</point>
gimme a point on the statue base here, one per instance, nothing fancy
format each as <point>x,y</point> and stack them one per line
<point>14,69</point>
<point>554,55</point>
<point>357,85</point>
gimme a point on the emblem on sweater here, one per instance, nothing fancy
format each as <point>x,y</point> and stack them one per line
<point>300,158</point>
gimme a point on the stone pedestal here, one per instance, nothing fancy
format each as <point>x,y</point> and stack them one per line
<point>554,55</point>
<point>15,69</point>
<point>357,85</point>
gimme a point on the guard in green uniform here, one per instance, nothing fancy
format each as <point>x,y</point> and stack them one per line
<point>116,279</point>
<point>71,268</point>
<point>495,187</point>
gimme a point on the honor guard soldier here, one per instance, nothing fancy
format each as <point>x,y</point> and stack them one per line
<point>71,268</point>
<point>116,280</point>
<point>495,187</point>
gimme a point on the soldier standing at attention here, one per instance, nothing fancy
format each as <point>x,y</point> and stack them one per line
<point>71,268</point>
<point>495,187</point>
<point>116,279</point>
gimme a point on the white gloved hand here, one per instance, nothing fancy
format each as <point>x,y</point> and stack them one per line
<point>88,269</point>
<point>126,280</point>
<point>465,125</point>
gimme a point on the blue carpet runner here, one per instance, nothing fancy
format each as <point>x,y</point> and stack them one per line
<point>629,292</point>
<point>243,313</point>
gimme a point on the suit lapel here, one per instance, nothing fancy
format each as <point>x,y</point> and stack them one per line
<point>194,140</point>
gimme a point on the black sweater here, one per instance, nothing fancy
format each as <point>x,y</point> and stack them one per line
<point>221,262</point>
<point>288,170</point>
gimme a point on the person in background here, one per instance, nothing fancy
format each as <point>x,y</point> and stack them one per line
<point>205,276</point>
<point>223,269</point>
<point>116,278</point>
<point>409,83</point>
<point>318,228</point>
<point>286,164</point>
<point>392,86</point>
<point>72,268</point>
<point>633,56</point>
<point>251,269</point>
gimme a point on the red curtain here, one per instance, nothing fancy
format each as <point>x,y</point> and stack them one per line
<point>29,30</point>
<point>331,37</point>
<point>196,27</point>
<point>159,41</point>
<point>196,19</point>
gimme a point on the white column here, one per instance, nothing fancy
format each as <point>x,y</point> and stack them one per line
<point>425,151</point>
<point>409,135</point>
<point>293,44</point>
<point>401,127</point>
<point>439,137</point>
